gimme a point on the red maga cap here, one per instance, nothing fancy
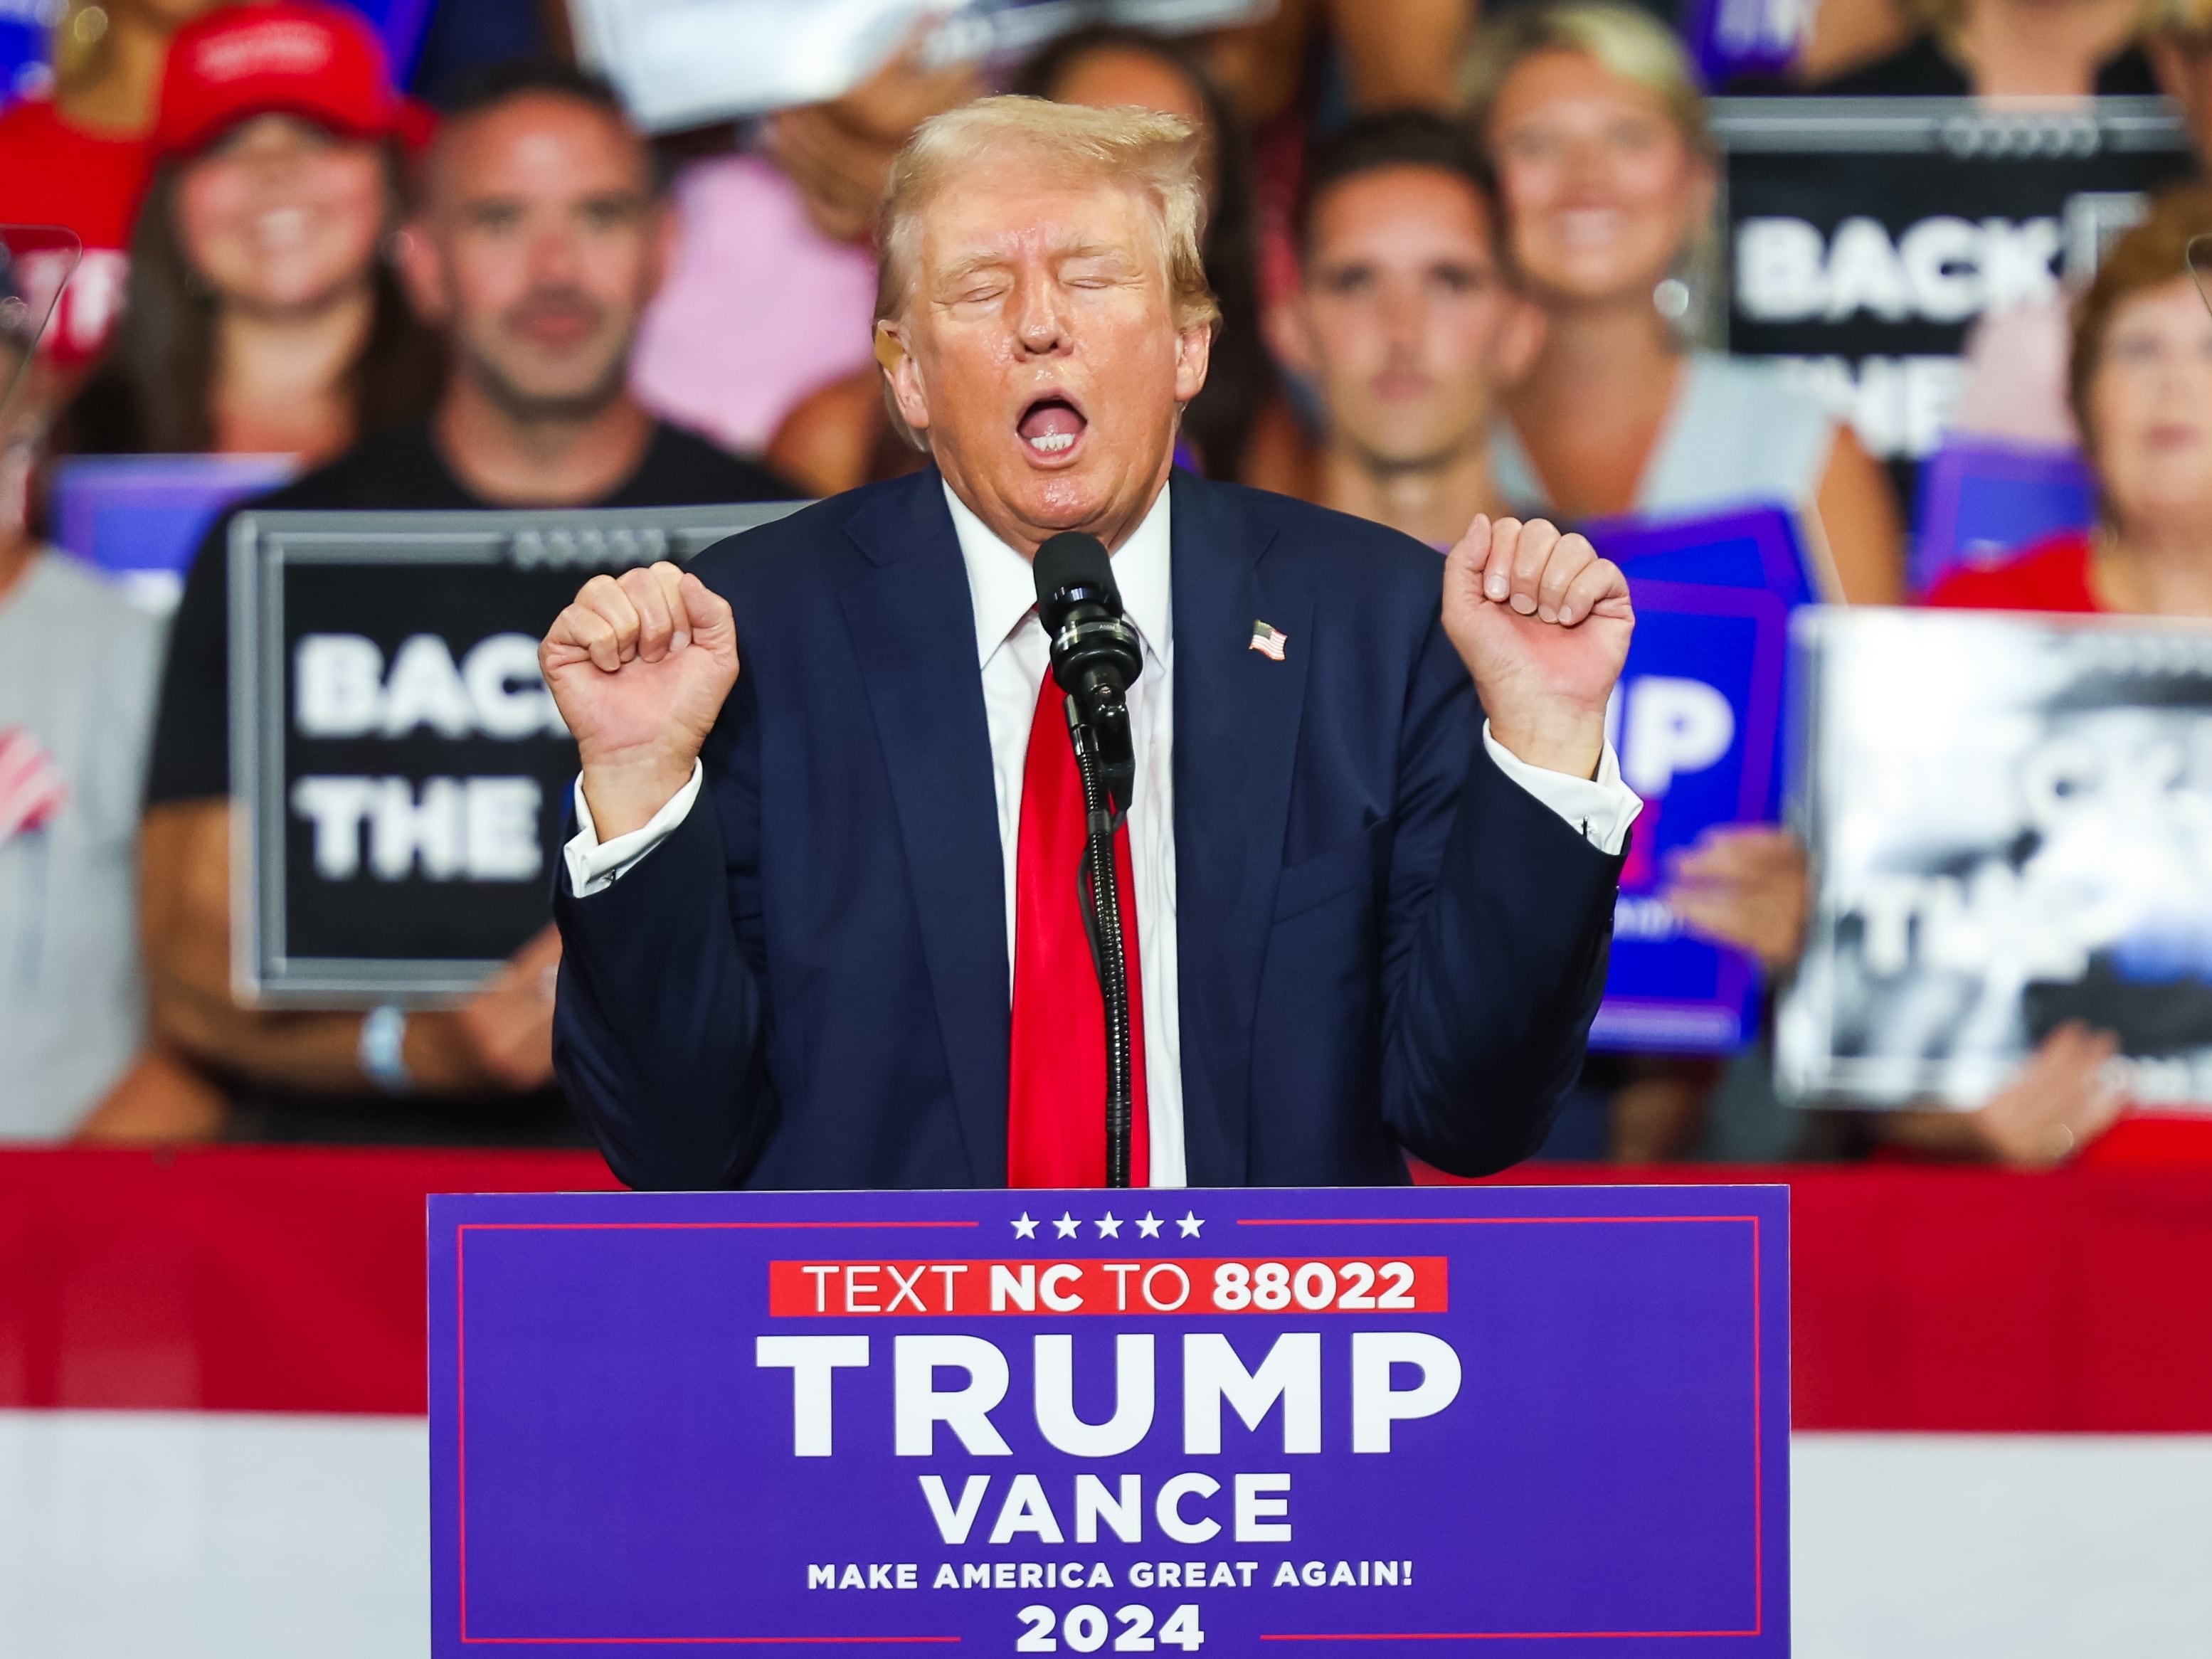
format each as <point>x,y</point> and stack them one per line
<point>320,62</point>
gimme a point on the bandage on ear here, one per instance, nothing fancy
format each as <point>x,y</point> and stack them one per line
<point>889,350</point>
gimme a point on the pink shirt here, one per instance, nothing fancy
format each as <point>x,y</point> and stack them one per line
<point>759,309</point>
<point>2015,375</point>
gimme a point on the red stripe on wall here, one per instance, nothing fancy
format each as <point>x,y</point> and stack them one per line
<point>1980,1300</point>
<point>276,1279</point>
<point>231,1279</point>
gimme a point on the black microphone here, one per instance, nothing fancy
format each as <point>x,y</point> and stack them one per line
<point>1095,656</point>
<point>1096,653</point>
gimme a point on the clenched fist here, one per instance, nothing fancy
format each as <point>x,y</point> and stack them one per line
<point>1543,623</point>
<point>640,666</point>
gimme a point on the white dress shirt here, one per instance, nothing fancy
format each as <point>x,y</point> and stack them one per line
<point>1014,656</point>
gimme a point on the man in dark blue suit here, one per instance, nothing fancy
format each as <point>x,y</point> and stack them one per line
<point>816,921</point>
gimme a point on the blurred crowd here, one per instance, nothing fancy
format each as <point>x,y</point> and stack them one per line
<point>1456,252</point>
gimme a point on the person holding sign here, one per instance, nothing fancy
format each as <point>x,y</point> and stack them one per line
<point>2141,382</point>
<point>1593,121</point>
<point>540,237</point>
<point>1406,322</point>
<point>829,824</point>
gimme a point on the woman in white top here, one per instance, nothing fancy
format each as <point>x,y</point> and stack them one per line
<point>1608,177</point>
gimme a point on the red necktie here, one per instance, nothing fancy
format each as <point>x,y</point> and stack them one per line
<point>1056,1085</point>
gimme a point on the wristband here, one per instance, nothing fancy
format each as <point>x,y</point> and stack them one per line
<point>382,1051</point>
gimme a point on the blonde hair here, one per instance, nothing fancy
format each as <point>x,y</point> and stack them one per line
<point>1624,40</point>
<point>1153,154</point>
<point>1631,45</point>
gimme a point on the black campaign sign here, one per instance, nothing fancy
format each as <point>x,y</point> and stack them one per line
<point>404,771</point>
<point>1864,236</point>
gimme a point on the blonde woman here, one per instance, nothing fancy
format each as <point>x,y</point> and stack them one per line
<point>1608,177</point>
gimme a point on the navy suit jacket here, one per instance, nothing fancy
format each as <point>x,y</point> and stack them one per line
<point>1384,943</point>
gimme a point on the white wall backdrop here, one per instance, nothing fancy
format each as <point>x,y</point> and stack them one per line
<point>171,1535</point>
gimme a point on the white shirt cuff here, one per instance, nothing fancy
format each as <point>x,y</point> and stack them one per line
<point>1601,808</point>
<point>594,868</point>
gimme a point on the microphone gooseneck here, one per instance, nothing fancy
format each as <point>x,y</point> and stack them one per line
<point>1095,657</point>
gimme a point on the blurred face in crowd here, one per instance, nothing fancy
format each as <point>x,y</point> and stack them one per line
<point>1117,77</point>
<point>280,216</point>
<point>2149,408</point>
<point>1405,322</point>
<point>1039,353</point>
<point>1602,190</point>
<point>540,242</point>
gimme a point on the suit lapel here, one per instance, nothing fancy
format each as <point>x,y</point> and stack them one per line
<point>913,628</point>
<point>1236,715</point>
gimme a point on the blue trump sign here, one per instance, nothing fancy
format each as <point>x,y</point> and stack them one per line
<point>1697,721</point>
<point>1038,1422</point>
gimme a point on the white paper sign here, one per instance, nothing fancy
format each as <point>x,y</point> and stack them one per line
<point>687,63</point>
<point>2010,820</point>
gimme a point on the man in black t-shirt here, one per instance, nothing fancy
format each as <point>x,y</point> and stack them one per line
<point>540,238</point>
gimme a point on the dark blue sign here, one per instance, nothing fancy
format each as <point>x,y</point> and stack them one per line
<point>24,67</point>
<point>1981,500</point>
<point>1729,40</point>
<point>401,23</point>
<point>1698,724</point>
<point>1035,1422</point>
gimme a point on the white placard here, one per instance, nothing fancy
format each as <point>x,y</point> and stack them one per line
<point>2010,821</point>
<point>687,63</point>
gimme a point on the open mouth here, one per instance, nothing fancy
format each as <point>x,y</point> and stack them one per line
<point>1051,427</point>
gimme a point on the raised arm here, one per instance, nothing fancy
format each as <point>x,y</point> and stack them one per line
<point>1507,856</point>
<point>658,1034</point>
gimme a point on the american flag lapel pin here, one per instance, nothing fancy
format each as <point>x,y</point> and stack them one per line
<point>1268,640</point>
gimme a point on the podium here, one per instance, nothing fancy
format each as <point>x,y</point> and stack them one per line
<point>1025,1422</point>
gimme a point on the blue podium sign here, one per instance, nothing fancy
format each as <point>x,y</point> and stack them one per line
<point>1035,1422</point>
<point>1698,725</point>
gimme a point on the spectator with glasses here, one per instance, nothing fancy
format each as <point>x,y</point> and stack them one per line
<point>2141,385</point>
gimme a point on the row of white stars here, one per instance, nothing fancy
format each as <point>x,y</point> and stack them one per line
<point>1109,1225</point>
